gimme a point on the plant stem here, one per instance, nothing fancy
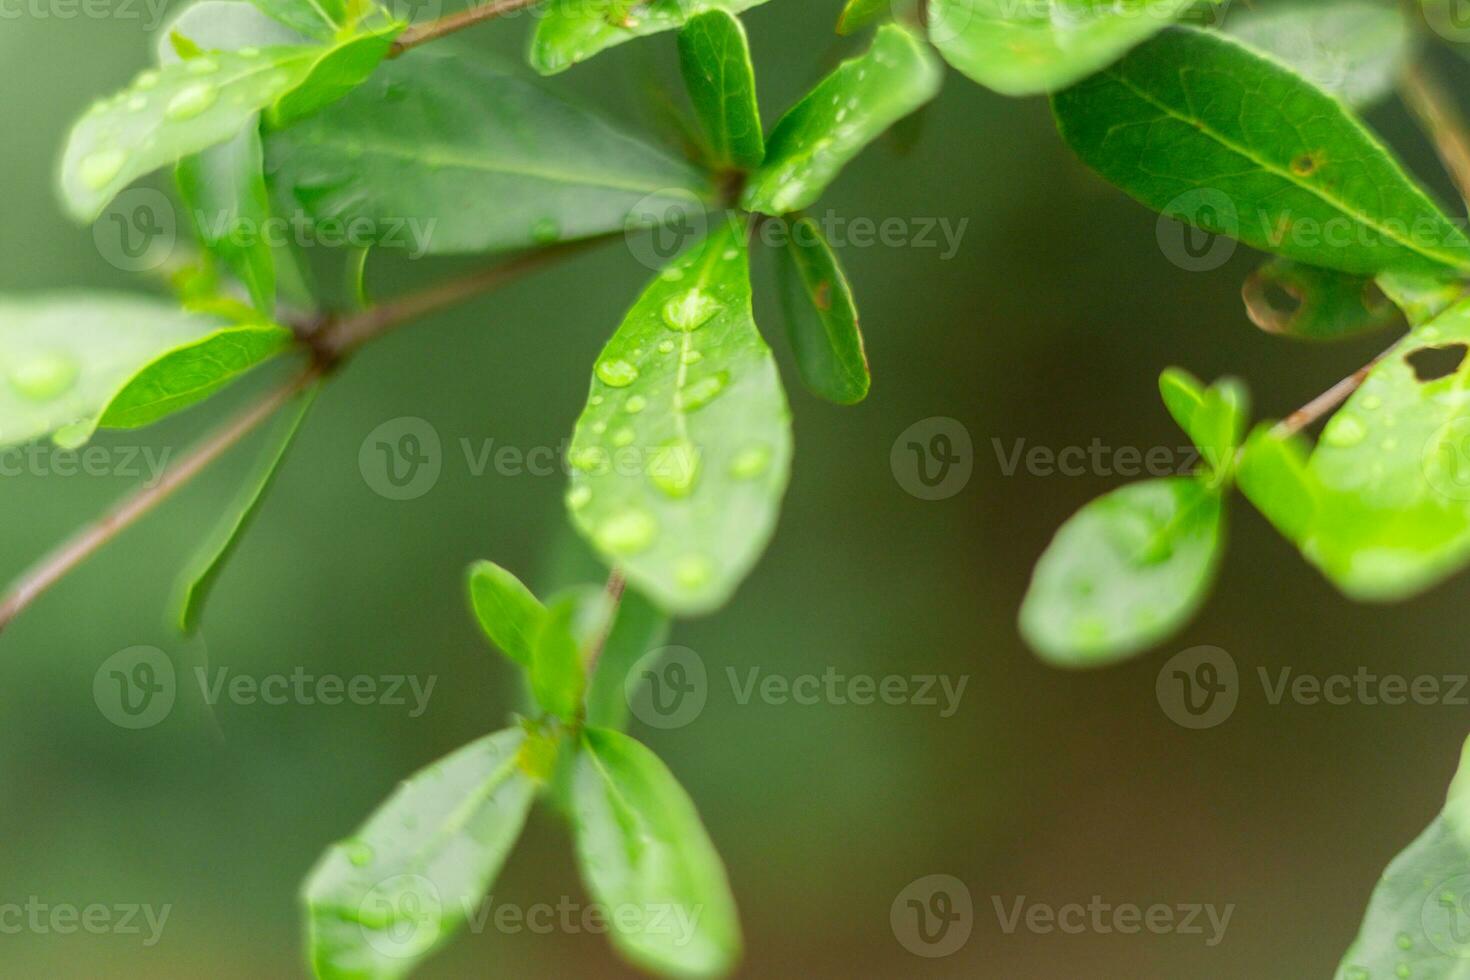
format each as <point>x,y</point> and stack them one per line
<point>1328,400</point>
<point>434,29</point>
<point>82,545</point>
<point>615,586</point>
<point>335,339</point>
<point>1435,109</point>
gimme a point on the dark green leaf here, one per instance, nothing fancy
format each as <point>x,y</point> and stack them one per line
<point>845,112</point>
<point>641,846</point>
<point>1124,573</point>
<point>715,59</point>
<point>200,580</point>
<point>683,451</point>
<point>1308,302</point>
<point>571,31</point>
<point>223,189</point>
<point>443,155</point>
<point>508,612</point>
<point>1207,131</point>
<point>821,318</point>
<point>381,901</point>
<point>1414,926</point>
<point>1030,48</point>
<point>1421,296</point>
<point>1350,48</point>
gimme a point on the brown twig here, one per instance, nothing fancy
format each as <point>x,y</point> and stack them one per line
<point>424,33</point>
<point>614,589</point>
<point>82,545</point>
<point>1328,400</point>
<point>1436,111</point>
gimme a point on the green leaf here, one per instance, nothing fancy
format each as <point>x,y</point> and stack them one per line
<point>1124,573</point>
<point>188,374</point>
<point>224,191</point>
<point>683,451</point>
<point>340,69</point>
<point>1030,48</point>
<point>715,59</point>
<point>1414,925</point>
<point>509,613</point>
<point>845,112</point>
<point>1389,480</point>
<point>1421,297</point>
<point>167,114</point>
<point>321,19</point>
<point>1275,475</point>
<point>642,847</point>
<point>200,580</point>
<point>640,628</point>
<point>223,25</point>
<point>558,675</point>
<point>1308,302</point>
<point>443,155</point>
<point>1207,131</point>
<point>64,358</point>
<point>821,318</point>
<point>1350,48</point>
<point>381,901</point>
<point>858,14</point>
<point>1214,418</point>
<point>571,31</point>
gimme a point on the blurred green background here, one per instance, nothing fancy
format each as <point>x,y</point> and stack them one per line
<point>1049,325</point>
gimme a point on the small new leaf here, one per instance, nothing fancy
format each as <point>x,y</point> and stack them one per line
<point>681,456</point>
<point>382,900</point>
<point>558,675</point>
<point>508,612</point>
<point>1211,133</point>
<point>1124,573</point>
<point>224,191</point>
<point>641,845</point>
<point>1214,418</point>
<point>715,58</point>
<point>821,317</point>
<point>845,112</point>
<point>1031,48</point>
<point>571,31</point>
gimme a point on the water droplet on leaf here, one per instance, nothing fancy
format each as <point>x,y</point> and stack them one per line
<point>690,311</point>
<point>625,533</point>
<point>100,167</point>
<point>44,377</point>
<point>617,373</point>
<point>191,101</point>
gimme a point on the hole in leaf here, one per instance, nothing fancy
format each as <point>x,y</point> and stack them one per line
<point>1433,363</point>
<point>1304,164</point>
<point>1272,303</point>
<point>1283,300</point>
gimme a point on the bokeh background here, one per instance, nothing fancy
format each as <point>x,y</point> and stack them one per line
<point>1049,325</point>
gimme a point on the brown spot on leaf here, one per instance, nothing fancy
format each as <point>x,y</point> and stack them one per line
<point>1306,164</point>
<point>822,295</point>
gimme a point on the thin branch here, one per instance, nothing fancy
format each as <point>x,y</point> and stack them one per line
<point>1437,113</point>
<point>132,508</point>
<point>1328,400</point>
<point>434,29</point>
<point>614,589</point>
<point>348,333</point>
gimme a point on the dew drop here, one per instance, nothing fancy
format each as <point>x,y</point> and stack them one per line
<point>616,372</point>
<point>1371,403</point>
<point>1404,940</point>
<point>201,66</point>
<point>703,391</point>
<point>595,400</point>
<point>623,437</point>
<point>249,52</point>
<point>146,80</point>
<point>1344,432</point>
<point>690,311</point>
<point>101,166</point>
<point>588,459</point>
<point>579,496</point>
<point>672,274</point>
<point>44,377</point>
<point>359,853</point>
<point>635,404</point>
<point>626,532</point>
<point>692,357</point>
<point>675,469</point>
<point>692,572</point>
<point>191,101</point>
<point>665,346</point>
<point>750,462</point>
